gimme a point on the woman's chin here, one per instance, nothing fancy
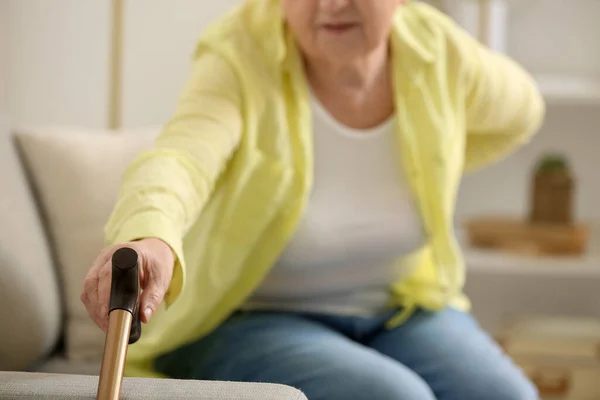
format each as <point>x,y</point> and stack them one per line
<point>339,55</point>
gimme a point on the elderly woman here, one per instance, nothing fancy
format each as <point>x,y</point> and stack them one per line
<point>296,213</point>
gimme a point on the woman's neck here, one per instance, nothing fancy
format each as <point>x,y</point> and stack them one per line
<point>356,78</point>
<point>358,94</point>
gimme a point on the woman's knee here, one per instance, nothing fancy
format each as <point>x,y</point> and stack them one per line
<point>515,387</point>
<point>507,385</point>
<point>356,384</point>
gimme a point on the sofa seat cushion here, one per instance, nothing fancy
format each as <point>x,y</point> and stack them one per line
<point>32,386</point>
<point>61,365</point>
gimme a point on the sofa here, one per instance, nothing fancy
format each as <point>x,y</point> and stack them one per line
<point>57,186</point>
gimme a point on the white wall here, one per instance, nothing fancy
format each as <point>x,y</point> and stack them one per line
<point>58,58</point>
<point>3,56</point>
<point>57,61</point>
<point>556,36</point>
<point>159,39</point>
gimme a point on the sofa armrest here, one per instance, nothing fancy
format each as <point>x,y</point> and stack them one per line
<point>33,386</point>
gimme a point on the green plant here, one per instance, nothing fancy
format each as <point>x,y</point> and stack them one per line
<point>552,162</point>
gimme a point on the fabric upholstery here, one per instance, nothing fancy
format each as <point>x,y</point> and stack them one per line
<point>34,386</point>
<point>30,315</point>
<point>59,364</point>
<point>76,174</point>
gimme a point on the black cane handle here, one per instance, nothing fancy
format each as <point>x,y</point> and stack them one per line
<point>125,288</point>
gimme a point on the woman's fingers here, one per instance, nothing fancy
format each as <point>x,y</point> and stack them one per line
<point>90,293</point>
<point>103,295</point>
<point>155,267</point>
<point>89,296</point>
<point>156,284</point>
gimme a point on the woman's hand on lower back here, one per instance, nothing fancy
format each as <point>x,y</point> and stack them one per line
<point>156,269</point>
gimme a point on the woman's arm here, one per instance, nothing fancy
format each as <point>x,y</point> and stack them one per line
<point>164,190</point>
<point>504,107</point>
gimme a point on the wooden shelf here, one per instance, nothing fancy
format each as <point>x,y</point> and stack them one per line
<point>507,264</point>
<point>569,89</point>
<point>503,263</point>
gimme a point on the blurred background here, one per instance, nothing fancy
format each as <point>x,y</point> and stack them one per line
<point>120,65</point>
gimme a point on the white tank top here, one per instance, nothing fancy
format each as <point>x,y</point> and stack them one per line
<point>360,219</point>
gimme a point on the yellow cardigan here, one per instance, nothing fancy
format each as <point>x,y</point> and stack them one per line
<point>229,176</point>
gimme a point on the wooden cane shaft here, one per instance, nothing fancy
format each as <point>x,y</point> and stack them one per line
<point>115,353</point>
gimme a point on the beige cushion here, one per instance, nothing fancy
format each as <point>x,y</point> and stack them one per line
<point>35,386</point>
<point>30,309</point>
<point>61,365</point>
<point>77,174</point>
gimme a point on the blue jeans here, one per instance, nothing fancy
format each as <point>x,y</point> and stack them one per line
<point>434,355</point>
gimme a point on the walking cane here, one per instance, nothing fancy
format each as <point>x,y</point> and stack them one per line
<point>124,326</point>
